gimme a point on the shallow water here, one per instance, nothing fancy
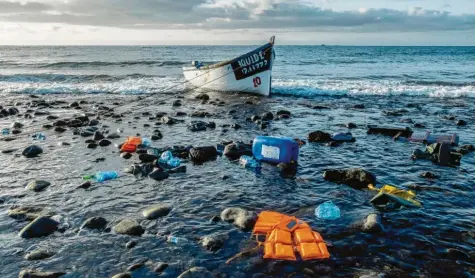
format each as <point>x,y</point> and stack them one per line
<point>414,242</point>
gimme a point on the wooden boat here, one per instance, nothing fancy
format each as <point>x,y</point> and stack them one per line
<point>249,73</point>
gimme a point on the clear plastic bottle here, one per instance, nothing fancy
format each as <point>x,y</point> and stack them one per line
<point>176,240</point>
<point>249,162</point>
<point>107,175</point>
<point>5,131</point>
<point>327,211</point>
<point>146,142</point>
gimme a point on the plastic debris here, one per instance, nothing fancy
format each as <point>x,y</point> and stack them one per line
<point>39,136</point>
<point>327,211</point>
<point>167,158</point>
<point>275,149</point>
<point>102,176</point>
<point>389,193</point>
<point>249,162</point>
<point>5,131</point>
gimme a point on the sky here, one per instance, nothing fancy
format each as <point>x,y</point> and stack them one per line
<point>169,22</point>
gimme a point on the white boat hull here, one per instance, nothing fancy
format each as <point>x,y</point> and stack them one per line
<point>249,73</point>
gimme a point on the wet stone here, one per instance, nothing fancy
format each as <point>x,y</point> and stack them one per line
<point>25,213</point>
<point>31,273</point>
<point>32,151</point>
<point>196,272</point>
<point>131,244</point>
<point>241,218</point>
<point>373,223</point>
<point>461,123</point>
<point>126,155</point>
<point>129,227</point>
<point>39,255</point>
<point>41,226</point>
<point>159,174</point>
<point>122,275</point>
<point>37,185</point>
<point>91,145</point>
<point>213,242</point>
<point>157,211</point>
<point>319,137</point>
<point>160,267</point>
<point>104,143</point>
<point>356,178</point>
<point>98,136</point>
<point>268,116</point>
<point>85,185</point>
<point>95,223</point>
<point>59,129</point>
<point>113,136</point>
<point>429,175</point>
<point>135,266</point>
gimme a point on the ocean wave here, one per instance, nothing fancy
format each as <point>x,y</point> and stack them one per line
<point>309,88</point>
<point>45,78</point>
<point>89,64</point>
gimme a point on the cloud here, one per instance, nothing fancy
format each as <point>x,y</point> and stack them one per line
<point>231,14</point>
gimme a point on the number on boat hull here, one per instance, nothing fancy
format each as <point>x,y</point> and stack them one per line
<point>257,81</point>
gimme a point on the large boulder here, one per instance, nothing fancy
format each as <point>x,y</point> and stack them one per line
<point>196,272</point>
<point>129,227</point>
<point>236,150</point>
<point>31,273</point>
<point>40,227</point>
<point>241,218</point>
<point>319,137</point>
<point>203,154</point>
<point>32,151</point>
<point>356,178</point>
<point>155,212</point>
<point>123,275</point>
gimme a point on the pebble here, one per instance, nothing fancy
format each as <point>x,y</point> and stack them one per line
<point>196,272</point>
<point>319,137</point>
<point>41,226</point>
<point>267,116</point>
<point>241,218</point>
<point>135,266</point>
<point>112,136</point>
<point>157,211</point>
<point>159,174</point>
<point>39,255</point>
<point>350,125</point>
<point>95,223</point>
<point>213,242</point>
<point>32,151</point>
<point>31,273</point>
<point>131,244</point>
<point>429,175</point>
<point>91,145</point>
<point>16,125</point>
<point>203,154</point>
<point>126,155</point>
<point>122,275</point>
<point>85,185</point>
<point>129,227</point>
<point>160,267</point>
<point>104,143</point>
<point>37,185</point>
<point>461,123</point>
<point>59,129</point>
<point>98,136</point>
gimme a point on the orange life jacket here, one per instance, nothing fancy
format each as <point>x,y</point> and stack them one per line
<point>287,235</point>
<point>131,144</point>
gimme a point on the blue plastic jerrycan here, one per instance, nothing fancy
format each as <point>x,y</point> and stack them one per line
<point>275,149</point>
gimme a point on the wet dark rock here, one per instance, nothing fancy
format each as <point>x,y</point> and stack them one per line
<point>15,131</point>
<point>131,244</point>
<point>37,185</point>
<point>373,223</point>
<point>202,97</point>
<point>26,116</point>
<point>211,125</point>
<point>52,117</point>
<point>263,125</point>
<point>350,125</point>
<point>461,123</point>
<point>90,141</point>
<point>320,107</point>
<point>128,227</point>
<point>159,174</point>
<point>156,137</point>
<point>95,223</point>
<point>419,125</point>
<point>37,255</point>
<point>196,272</point>
<point>169,120</point>
<point>60,123</point>
<point>7,151</point>
<point>395,113</point>
<point>16,125</point>
<point>283,112</point>
<point>203,154</point>
<point>59,129</point>
<point>157,211</point>
<point>40,113</point>
<point>213,242</point>
<point>197,126</point>
<point>215,219</point>
<point>236,126</point>
<point>91,145</point>
<point>160,267</point>
<point>145,157</point>
<point>356,178</point>
<point>180,114</point>
<point>98,136</point>
<point>74,104</point>
<point>13,111</point>
<point>85,185</point>
<point>126,155</point>
<point>112,136</point>
<point>319,137</point>
<point>135,266</point>
<point>122,275</point>
<point>429,175</point>
<point>241,218</point>
<point>93,122</point>
<point>176,103</point>
<point>408,121</point>
<point>456,254</point>
<point>32,151</point>
<point>255,118</point>
<point>104,143</point>
<point>268,116</point>
<point>236,150</point>
<point>31,273</point>
<point>4,113</point>
<point>284,116</point>
<point>40,227</point>
<point>25,213</point>
<point>47,126</point>
<point>389,131</point>
<point>200,114</point>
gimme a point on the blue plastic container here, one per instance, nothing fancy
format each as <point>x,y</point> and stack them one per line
<point>275,149</point>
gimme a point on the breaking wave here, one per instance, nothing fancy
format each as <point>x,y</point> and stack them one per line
<point>91,64</point>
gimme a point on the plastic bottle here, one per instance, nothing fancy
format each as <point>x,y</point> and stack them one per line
<point>176,240</point>
<point>327,211</point>
<point>5,131</point>
<point>167,158</point>
<point>249,162</point>
<point>102,176</point>
<point>146,142</point>
<point>39,136</point>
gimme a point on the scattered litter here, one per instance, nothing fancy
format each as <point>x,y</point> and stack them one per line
<point>5,131</point>
<point>249,162</point>
<point>327,211</point>
<point>39,136</point>
<point>168,159</point>
<point>275,149</point>
<point>102,176</point>
<point>390,194</point>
